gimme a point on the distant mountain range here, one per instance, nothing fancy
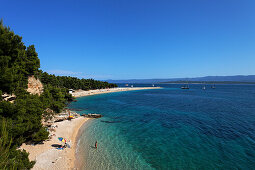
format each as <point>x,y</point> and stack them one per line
<point>211,79</point>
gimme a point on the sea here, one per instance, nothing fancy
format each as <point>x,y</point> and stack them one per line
<point>169,128</point>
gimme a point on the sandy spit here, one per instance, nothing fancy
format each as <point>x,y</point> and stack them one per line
<point>81,93</point>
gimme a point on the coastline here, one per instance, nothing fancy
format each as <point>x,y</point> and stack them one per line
<point>47,157</point>
<point>78,161</point>
<point>82,93</point>
<point>75,137</point>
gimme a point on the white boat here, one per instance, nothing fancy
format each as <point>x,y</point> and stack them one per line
<point>185,86</point>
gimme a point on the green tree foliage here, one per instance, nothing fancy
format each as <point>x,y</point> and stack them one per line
<point>18,159</point>
<point>16,60</point>
<point>24,118</point>
<point>41,134</point>
<point>1,93</point>
<point>33,62</point>
<point>5,145</point>
<point>21,120</point>
<point>55,98</point>
<point>10,157</point>
<point>74,82</point>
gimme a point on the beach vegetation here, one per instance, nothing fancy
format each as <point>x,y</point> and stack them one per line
<point>21,120</point>
<point>1,93</point>
<point>73,82</point>
<point>10,157</point>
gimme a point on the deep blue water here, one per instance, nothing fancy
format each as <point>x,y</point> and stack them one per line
<point>170,128</point>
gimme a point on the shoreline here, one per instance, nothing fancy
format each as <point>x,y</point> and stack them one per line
<point>75,137</point>
<point>82,93</point>
<point>47,157</point>
<point>77,159</point>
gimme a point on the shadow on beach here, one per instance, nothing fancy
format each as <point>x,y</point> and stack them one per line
<point>34,143</point>
<point>56,145</point>
<point>93,147</point>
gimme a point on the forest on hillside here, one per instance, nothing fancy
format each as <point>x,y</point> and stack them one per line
<point>20,121</point>
<point>73,82</point>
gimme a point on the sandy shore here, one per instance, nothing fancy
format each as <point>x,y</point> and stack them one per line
<point>48,157</point>
<point>81,93</point>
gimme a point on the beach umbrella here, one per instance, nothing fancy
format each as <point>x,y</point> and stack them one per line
<point>62,139</point>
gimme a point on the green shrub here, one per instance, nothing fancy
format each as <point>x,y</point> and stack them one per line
<point>40,136</point>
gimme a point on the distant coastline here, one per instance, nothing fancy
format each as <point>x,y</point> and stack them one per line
<point>238,79</point>
<point>206,82</point>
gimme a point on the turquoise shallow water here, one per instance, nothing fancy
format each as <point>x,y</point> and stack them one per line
<point>170,128</point>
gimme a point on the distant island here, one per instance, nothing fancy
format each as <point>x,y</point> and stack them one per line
<point>206,82</point>
<point>238,79</point>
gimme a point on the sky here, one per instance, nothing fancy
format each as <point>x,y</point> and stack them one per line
<point>126,39</point>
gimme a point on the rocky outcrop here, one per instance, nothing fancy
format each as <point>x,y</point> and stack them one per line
<point>9,97</point>
<point>34,85</point>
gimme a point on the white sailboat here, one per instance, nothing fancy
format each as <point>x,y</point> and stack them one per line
<point>203,86</point>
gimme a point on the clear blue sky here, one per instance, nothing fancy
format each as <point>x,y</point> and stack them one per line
<point>123,39</point>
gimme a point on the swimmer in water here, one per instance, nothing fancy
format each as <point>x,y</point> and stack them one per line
<point>96,144</point>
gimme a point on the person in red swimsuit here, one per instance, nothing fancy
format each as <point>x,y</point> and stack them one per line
<point>96,144</point>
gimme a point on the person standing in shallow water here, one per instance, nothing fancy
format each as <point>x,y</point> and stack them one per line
<point>96,144</point>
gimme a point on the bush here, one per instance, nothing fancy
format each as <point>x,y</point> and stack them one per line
<point>1,93</point>
<point>19,160</point>
<point>10,157</point>
<point>40,136</point>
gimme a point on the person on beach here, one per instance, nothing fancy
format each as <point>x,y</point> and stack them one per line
<point>96,144</point>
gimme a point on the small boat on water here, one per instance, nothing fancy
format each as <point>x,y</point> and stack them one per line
<point>185,87</point>
<point>203,87</point>
<point>213,87</point>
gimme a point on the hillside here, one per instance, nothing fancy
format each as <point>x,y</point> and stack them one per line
<point>32,93</point>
